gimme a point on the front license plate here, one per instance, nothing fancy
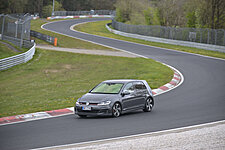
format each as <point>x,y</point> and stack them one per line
<point>86,108</point>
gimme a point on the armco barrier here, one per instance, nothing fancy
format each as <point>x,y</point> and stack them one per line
<point>82,16</point>
<point>79,13</point>
<point>169,41</point>
<point>47,38</point>
<point>17,59</point>
<point>197,35</point>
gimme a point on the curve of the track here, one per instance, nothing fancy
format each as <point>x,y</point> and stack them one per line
<point>200,99</point>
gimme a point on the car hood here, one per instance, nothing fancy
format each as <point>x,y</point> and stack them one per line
<point>96,98</point>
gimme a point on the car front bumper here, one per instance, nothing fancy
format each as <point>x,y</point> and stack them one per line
<point>95,110</point>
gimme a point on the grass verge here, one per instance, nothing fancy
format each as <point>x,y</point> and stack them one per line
<point>63,41</point>
<point>54,80</point>
<point>5,51</point>
<point>98,28</point>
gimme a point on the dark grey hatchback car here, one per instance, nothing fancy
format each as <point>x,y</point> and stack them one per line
<point>114,97</point>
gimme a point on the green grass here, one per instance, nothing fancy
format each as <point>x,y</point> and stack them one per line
<point>98,28</point>
<point>63,41</point>
<point>54,80</point>
<point>5,51</point>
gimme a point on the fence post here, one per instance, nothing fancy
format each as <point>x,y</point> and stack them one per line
<point>224,37</point>
<point>16,28</point>
<point>21,38</point>
<point>200,35</point>
<point>215,36</point>
<point>3,26</point>
<point>208,37</point>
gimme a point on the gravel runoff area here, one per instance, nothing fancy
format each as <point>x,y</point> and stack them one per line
<point>84,51</point>
<point>209,136</point>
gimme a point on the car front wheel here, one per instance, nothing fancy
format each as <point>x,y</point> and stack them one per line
<point>116,110</point>
<point>149,105</point>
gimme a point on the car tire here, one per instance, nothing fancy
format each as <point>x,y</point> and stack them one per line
<point>82,116</point>
<point>148,105</point>
<point>116,110</point>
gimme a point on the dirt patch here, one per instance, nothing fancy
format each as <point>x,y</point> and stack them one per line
<point>67,66</point>
<point>51,71</point>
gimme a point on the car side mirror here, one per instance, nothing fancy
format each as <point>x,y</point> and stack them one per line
<point>125,93</point>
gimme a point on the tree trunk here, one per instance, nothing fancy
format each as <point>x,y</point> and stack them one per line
<point>213,13</point>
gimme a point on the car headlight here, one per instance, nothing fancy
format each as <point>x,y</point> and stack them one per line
<point>78,101</point>
<point>104,103</point>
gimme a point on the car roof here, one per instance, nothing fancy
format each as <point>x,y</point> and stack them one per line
<point>121,80</point>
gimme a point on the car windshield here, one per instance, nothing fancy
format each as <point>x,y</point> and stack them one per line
<point>108,88</point>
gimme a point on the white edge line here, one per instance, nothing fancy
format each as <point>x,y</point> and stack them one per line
<point>173,68</point>
<point>71,28</point>
<point>182,78</point>
<point>47,117</point>
<point>88,40</point>
<point>176,130</point>
<point>124,137</point>
<point>142,44</point>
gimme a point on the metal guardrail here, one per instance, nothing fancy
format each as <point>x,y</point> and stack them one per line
<point>41,36</point>
<point>17,59</point>
<point>77,13</point>
<point>169,41</point>
<point>195,35</point>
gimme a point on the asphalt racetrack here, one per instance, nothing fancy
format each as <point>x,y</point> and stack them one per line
<point>200,99</point>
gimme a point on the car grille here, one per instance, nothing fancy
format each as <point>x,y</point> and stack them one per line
<point>93,111</point>
<point>84,103</point>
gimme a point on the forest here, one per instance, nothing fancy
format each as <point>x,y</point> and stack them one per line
<point>43,7</point>
<point>174,13</point>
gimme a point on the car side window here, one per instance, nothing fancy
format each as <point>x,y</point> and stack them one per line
<point>129,88</point>
<point>139,86</point>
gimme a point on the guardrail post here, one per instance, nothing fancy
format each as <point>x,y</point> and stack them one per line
<point>3,25</point>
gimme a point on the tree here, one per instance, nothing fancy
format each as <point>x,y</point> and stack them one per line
<point>34,6</point>
<point>191,19</point>
<point>208,13</point>
<point>4,7</point>
<point>47,11</point>
<point>136,12</point>
<point>171,12</point>
<point>152,16</point>
<point>58,6</point>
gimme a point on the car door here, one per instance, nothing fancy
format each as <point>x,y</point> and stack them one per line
<point>140,94</point>
<point>128,99</point>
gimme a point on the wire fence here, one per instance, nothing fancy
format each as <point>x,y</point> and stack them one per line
<point>77,13</point>
<point>15,28</point>
<point>199,35</point>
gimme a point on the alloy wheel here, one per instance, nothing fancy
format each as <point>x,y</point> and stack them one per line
<point>116,110</point>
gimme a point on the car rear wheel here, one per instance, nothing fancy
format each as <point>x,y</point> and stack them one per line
<point>148,105</point>
<point>116,110</point>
